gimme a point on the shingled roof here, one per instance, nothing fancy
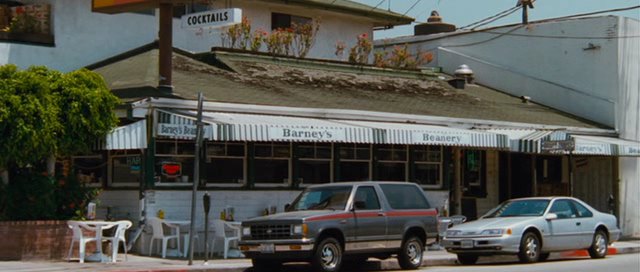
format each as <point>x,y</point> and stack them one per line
<point>260,79</point>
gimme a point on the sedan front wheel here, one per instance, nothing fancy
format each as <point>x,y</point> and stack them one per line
<point>529,248</point>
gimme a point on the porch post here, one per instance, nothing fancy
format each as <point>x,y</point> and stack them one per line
<point>457,181</point>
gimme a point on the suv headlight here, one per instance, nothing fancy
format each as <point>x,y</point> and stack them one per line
<point>246,231</point>
<point>300,229</point>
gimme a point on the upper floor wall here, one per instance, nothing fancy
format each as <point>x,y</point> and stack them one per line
<point>82,37</point>
<point>571,65</point>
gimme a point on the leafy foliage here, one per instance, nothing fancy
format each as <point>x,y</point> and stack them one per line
<point>45,112</point>
<point>33,196</point>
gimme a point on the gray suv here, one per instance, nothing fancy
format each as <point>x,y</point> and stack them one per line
<point>330,223</point>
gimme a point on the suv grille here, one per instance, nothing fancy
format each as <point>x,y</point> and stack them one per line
<point>265,232</point>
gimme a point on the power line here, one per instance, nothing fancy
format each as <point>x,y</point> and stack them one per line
<point>414,5</point>
<point>380,3</point>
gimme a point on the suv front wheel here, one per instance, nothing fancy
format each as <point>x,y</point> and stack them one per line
<point>328,256</point>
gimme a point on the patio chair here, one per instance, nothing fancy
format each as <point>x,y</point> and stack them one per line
<point>118,236</point>
<point>220,232</point>
<point>78,229</point>
<point>157,225</point>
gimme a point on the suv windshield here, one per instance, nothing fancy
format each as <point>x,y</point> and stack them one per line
<point>530,207</point>
<point>332,198</point>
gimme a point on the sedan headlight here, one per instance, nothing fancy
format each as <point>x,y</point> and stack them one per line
<point>453,233</point>
<point>495,232</point>
<point>246,231</point>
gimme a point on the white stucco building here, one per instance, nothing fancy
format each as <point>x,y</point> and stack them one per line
<point>587,67</point>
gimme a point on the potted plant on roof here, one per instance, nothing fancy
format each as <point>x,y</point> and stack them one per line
<point>45,114</point>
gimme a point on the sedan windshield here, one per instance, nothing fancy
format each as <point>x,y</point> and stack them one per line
<point>529,207</point>
<point>332,198</point>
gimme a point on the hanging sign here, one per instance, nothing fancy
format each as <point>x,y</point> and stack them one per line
<point>177,131</point>
<point>441,138</point>
<point>212,18</point>
<point>557,146</point>
<point>306,134</point>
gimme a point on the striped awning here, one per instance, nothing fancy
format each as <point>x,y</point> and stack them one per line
<point>529,140</point>
<point>598,145</point>
<point>131,136</point>
<point>417,134</point>
<point>254,127</point>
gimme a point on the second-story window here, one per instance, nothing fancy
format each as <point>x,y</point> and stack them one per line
<point>284,21</point>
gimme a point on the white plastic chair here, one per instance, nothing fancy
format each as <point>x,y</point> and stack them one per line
<point>78,236</point>
<point>158,234</point>
<point>220,232</point>
<point>118,236</point>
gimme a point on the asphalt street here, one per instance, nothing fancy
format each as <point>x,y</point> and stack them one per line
<point>614,263</point>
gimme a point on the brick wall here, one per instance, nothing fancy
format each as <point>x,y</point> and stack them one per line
<point>36,240</point>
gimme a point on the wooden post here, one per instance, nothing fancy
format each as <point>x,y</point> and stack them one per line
<point>165,37</point>
<point>457,181</point>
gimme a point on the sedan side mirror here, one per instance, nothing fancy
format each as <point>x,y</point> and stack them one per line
<point>551,216</point>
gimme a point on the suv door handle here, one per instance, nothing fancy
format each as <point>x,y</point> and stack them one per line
<point>381,214</point>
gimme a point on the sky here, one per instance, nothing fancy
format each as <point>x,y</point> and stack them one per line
<point>465,12</point>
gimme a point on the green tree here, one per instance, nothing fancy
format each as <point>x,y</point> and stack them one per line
<point>46,113</point>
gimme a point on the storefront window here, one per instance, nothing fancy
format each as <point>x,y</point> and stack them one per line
<point>126,167</point>
<point>225,163</point>
<point>90,169</point>
<point>428,166</point>
<point>355,162</point>
<point>392,162</point>
<point>314,163</point>
<point>549,169</point>
<point>272,163</point>
<point>174,161</point>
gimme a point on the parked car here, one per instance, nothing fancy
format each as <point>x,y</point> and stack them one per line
<point>532,228</point>
<point>330,223</point>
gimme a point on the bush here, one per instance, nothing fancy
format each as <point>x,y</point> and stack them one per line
<point>33,196</point>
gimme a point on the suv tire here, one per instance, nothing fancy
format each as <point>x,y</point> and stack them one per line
<point>327,256</point>
<point>411,253</point>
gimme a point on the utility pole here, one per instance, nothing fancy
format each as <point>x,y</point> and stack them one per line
<point>526,4</point>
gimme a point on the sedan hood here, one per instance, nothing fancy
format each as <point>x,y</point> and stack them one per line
<point>493,223</point>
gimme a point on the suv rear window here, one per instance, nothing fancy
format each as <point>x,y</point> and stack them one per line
<point>405,196</point>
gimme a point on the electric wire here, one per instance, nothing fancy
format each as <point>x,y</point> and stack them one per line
<point>379,3</point>
<point>413,6</point>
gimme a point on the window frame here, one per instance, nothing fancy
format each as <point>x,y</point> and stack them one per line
<point>439,164</point>
<point>176,154</point>
<point>105,169</point>
<point>208,158</point>
<point>124,154</point>
<point>315,157</point>
<point>356,147</point>
<point>272,157</point>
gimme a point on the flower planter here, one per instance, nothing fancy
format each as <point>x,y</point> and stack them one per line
<point>36,240</point>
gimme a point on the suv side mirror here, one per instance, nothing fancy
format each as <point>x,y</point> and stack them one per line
<point>551,216</point>
<point>287,207</point>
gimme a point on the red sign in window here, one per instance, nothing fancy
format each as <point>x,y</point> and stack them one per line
<point>171,169</point>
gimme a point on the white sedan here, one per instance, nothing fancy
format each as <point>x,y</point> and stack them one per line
<point>532,228</point>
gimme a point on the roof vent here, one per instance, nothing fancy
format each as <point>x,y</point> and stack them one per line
<point>433,25</point>
<point>464,72</point>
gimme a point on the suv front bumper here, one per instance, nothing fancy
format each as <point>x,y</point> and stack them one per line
<point>278,249</point>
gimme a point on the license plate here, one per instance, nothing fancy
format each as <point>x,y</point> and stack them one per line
<point>267,248</point>
<point>466,244</point>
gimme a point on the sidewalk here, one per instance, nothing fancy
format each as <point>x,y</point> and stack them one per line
<point>137,263</point>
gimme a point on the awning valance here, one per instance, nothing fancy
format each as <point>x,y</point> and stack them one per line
<point>131,136</point>
<point>598,145</point>
<point>418,134</point>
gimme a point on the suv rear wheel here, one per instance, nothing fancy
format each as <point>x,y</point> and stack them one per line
<point>328,256</point>
<point>410,255</point>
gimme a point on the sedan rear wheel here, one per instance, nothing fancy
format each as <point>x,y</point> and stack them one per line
<point>599,246</point>
<point>529,248</point>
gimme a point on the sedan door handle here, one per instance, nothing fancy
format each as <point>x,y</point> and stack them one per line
<point>578,223</point>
